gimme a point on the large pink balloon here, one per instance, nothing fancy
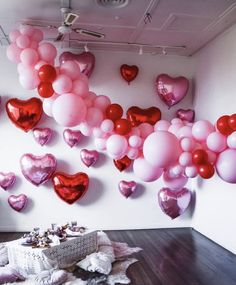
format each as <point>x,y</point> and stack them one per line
<point>47,104</point>
<point>116,146</point>
<point>107,126</point>
<point>47,52</point>
<point>174,183</point>
<point>80,86</point>
<point>69,110</point>
<point>171,90</point>
<point>29,57</point>
<point>13,35</point>
<point>216,142</point>
<point>101,102</point>
<point>231,140</point>
<point>62,84</point>
<point>145,171</point>
<point>29,79</point>
<point>38,169</point>
<point>13,53</point>
<point>226,165</point>
<point>161,149</point>
<point>201,130</point>
<point>94,117</point>
<point>71,69</point>
<point>174,203</point>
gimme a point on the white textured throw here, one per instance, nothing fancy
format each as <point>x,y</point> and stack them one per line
<point>111,259</point>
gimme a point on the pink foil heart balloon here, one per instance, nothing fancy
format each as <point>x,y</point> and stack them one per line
<point>89,157</point>
<point>86,61</point>
<point>174,203</point>
<point>72,138</point>
<point>127,188</point>
<point>42,135</point>
<point>18,202</point>
<point>7,179</point>
<point>171,90</point>
<point>38,169</point>
<point>186,115</point>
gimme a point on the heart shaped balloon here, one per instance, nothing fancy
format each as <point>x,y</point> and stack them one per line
<point>138,116</point>
<point>174,203</point>
<point>186,115</point>
<point>127,188</point>
<point>171,90</point>
<point>128,72</point>
<point>25,114</point>
<point>42,135</point>
<point>89,157</point>
<point>70,188</point>
<point>7,179</point>
<point>18,202</point>
<point>72,138</point>
<point>123,163</point>
<point>86,61</point>
<point>38,169</point>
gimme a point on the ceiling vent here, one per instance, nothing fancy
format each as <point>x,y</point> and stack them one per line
<point>112,3</point>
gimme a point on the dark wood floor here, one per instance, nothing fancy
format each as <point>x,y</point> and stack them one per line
<point>173,257</point>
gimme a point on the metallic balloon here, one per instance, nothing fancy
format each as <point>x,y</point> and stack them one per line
<point>128,72</point>
<point>138,116</point>
<point>186,115</point>
<point>7,179</point>
<point>42,135</point>
<point>127,188</point>
<point>18,202</point>
<point>174,203</point>
<point>89,157</point>
<point>38,169</point>
<point>72,138</point>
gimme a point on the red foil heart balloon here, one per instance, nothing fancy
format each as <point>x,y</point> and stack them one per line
<point>171,90</point>
<point>128,72</point>
<point>174,203</point>
<point>25,114</point>
<point>86,61</point>
<point>138,116</point>
<point>18,202</point>
<point>123,163</point>
<point>186,115</point>
<point>70,188</point>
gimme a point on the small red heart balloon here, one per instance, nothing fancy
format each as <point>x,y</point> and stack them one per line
<point>25,114</point>
<point>128,72</point>
<point>138,116</point>
<point>171,90</point>
<point>70,188</point>
<point>123,163</point>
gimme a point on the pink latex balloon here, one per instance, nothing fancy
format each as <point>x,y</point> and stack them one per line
<point>89,157</point>
<point>176,170</point>
<point>13,35</point>
<point>133,153</point>
<point>100,144</point>
<point>225,165</point>
<point>161,149</point>
<point>186,115</point>
<point>212,156</point>
<point>201,130</point>
<point>47,52</point>
<point>107,126</point>
<point>89,99</point>
<point>38,169</point>
<point>62,84</point>
<point>135,141</point>
<point>42,135</point>
<point>145,130</point>
<point>39,64</point>
<point>47,104</point>
<point>85,129</point>
<point>29,57</point>
<point>162,125</point>
<point>94,117</point>
<point>29,79</point>
<point>23,41</point>
<point>191,171</point>
<point>185,159</point>
<point>85,60</point>
<point>185,132</point>
<point>171,90</point>
<point>34,45</point>
<point>7,180</point>
<point>231,140</point>
<point>72,138</point>
<point>177,121</point>
<point>71,69</point>
<point>69,110</point>
<point>37,35</point>
<point>98,133</point>
<point>145,171</point>
<point>27,30</point>
<point>13,53</point>
<point>18,202</point>
<point>187,144</point>
<point>80,87</point>
<point>174,203</point>
<point>101,102</point>
<point>127,188</point>
<point>174,183</point>
<point>216,142</point>
<point>116,146</point>
<point>174,128</point>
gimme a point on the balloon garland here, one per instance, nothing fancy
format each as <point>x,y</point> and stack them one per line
<point>179,149</point>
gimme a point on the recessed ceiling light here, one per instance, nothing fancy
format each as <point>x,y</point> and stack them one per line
<point>112,3</point>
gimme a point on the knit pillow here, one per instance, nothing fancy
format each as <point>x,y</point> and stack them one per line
<point>8,274</point>
<point>3,255</point>
<point>51,277</point>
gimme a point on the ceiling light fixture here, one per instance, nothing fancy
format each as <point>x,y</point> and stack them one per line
<point>86,48</point>
<point>164,52</point>
<point>140,50</point>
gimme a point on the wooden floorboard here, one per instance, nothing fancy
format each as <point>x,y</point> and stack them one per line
<point>172,257</point>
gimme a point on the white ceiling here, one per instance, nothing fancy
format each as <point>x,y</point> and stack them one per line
<point>183,23</point>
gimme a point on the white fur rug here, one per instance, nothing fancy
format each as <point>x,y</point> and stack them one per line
<point>111,262</point>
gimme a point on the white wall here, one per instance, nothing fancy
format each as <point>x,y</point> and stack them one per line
<point>215,95</point>
<point>103,207</point>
